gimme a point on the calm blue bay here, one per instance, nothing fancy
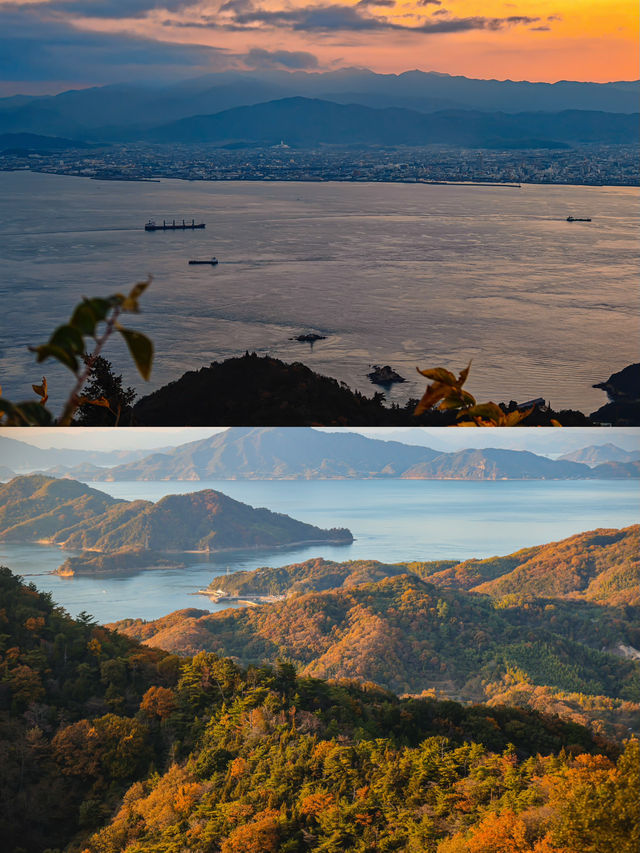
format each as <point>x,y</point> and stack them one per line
<point>392,520</point>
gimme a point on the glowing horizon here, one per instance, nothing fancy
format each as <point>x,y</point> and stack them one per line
<point>115,40</point>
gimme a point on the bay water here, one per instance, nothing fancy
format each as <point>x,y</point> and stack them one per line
<point>400,274</point>
<point>391,520</point>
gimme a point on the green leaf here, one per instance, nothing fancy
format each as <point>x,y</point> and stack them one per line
<point>35,414</point>
<point>49,351</point>
<point>99,307</point>
<point>452,402</point>
<point>68,338</point>
<point>25,414</point>
<point>141,349</point>
<point>84,319</point>
<point>467,398</point>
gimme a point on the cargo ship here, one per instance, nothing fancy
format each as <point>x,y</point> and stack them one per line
<point>173,226</point>
<point>211,261</point>
<point>576,219</point>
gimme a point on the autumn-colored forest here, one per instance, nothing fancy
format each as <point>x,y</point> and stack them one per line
<point>110,746</point>
<point>553,627</point>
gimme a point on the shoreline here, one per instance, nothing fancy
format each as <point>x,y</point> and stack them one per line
<point>257,180</point>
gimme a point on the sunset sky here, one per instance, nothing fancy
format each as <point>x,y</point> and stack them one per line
<point>50,45</point>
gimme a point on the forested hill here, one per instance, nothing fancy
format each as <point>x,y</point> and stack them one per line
<point>409,636</point>
<point>73,515</point>
<point>108,746</point>
<point>431,626</point>
<point>599,565</point>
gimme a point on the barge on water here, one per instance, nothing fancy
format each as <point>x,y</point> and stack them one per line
<point>211,262</point>
<point>173,226</point>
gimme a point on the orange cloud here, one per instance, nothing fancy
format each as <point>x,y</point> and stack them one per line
<point>543,40</point>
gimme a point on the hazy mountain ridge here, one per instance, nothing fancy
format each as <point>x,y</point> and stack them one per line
<point>38,142</point>
<point>22,455</point>
<point>596,454</point>
<point>279,453</point>
<point>304,453</point>
<point>616,470</point>
<point>495,464</point>
<point>110,111</point>
<point>305,121</point>
<point>72,515</point>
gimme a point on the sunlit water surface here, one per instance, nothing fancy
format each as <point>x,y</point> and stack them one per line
<point>395,274</point>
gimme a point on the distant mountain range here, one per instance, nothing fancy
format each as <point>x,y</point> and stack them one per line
<point>304,453</point>
<point>128,111</point>
<point>20,456</point>
<point>72,515</point>
<point>597,454</point>
<point>275,453</point>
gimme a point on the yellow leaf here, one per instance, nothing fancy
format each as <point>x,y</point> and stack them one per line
<point>463,375</point>
<point>431,396</point>
<point>41,391</point>
<point>439,374</point>
<point>87,401</point>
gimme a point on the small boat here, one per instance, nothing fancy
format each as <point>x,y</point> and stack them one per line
<point>212,262</point>
<point>576,219</point>
<point>174,226</point>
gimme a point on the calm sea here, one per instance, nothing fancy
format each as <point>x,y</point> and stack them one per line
<point>392,520</point>
<point>403,275</point>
